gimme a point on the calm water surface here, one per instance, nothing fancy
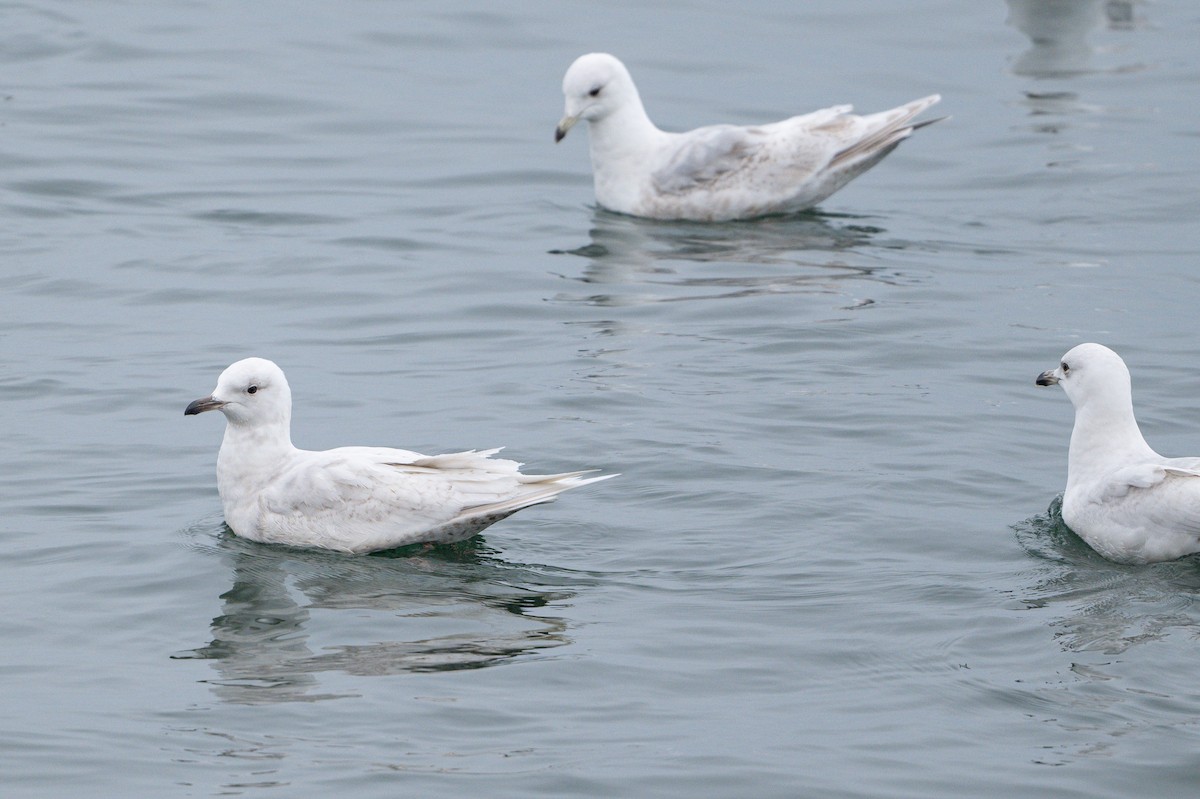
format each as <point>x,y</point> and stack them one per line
<point>833,566</point>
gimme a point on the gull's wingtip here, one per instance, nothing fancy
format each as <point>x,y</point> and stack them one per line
<point>586,480</point>
<point>927,122</point>
<point>573,479</point>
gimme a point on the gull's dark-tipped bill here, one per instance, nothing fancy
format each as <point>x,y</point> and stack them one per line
<point>201,405</point>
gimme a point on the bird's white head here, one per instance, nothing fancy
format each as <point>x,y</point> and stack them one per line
<point>251,392</point>
<point>595,86</point>
<point>1091,373</point>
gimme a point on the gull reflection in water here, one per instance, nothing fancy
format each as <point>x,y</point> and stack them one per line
<point>291,615</point>
<point>1061,50</point>
<point>633,261</point>
<point>1105,607</point>
<point>1059,33</point>
<point>1107,689</point>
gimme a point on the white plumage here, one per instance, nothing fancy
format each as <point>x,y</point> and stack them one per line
<point>352,499</point>
<point>1125,500</point>
<point>721,172</point>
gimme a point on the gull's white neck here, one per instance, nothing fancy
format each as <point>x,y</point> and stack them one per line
<point>622,144</point>
<point>1105,436</point>
<point>250,455</point>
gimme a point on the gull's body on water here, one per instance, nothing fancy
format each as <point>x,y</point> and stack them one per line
<point>1125,500</point>
<point>352,499</point>
<point>720,172</point>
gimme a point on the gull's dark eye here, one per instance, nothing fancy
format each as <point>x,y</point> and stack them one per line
<point>595,92</point>
<point>1065,368</point>
<point>252,390</point>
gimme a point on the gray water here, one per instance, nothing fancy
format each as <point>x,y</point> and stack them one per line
<point>833,564</point>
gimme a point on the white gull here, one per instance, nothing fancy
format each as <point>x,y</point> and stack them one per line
<point>720,172</point>
<point>1125,500</point>
<point>352,499</point>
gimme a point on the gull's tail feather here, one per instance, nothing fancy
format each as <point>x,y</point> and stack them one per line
<point>926,122</point>
<point>472,520</point>
<point>890,128</point>
<point>540,489</point>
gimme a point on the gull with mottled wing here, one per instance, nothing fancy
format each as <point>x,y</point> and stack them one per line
<point>352,499</point>
<point>720,172</point>
<point>1125,500</point>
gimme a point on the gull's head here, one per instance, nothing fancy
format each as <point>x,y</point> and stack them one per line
<point>595,85</point>
<point>250,392</point>
<point>1090,371</point>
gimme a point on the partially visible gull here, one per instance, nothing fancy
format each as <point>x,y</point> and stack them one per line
<point>352,499</point>
<point>1125,500</point>
<point>720,172</point>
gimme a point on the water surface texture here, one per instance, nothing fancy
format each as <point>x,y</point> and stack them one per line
<point>833,565</point>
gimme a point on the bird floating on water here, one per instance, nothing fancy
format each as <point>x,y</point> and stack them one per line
<point>352,499</point>
<point>720,172</point>
<point>1125,500</point>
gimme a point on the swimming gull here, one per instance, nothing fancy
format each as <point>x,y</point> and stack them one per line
<point>352,499</point>
<point>720,172</point>
<point>1125,500</point>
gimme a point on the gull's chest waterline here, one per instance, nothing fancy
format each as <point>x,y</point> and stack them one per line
<point>249,460</point>
<point>625,149</point>
<point>1099,503</point>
